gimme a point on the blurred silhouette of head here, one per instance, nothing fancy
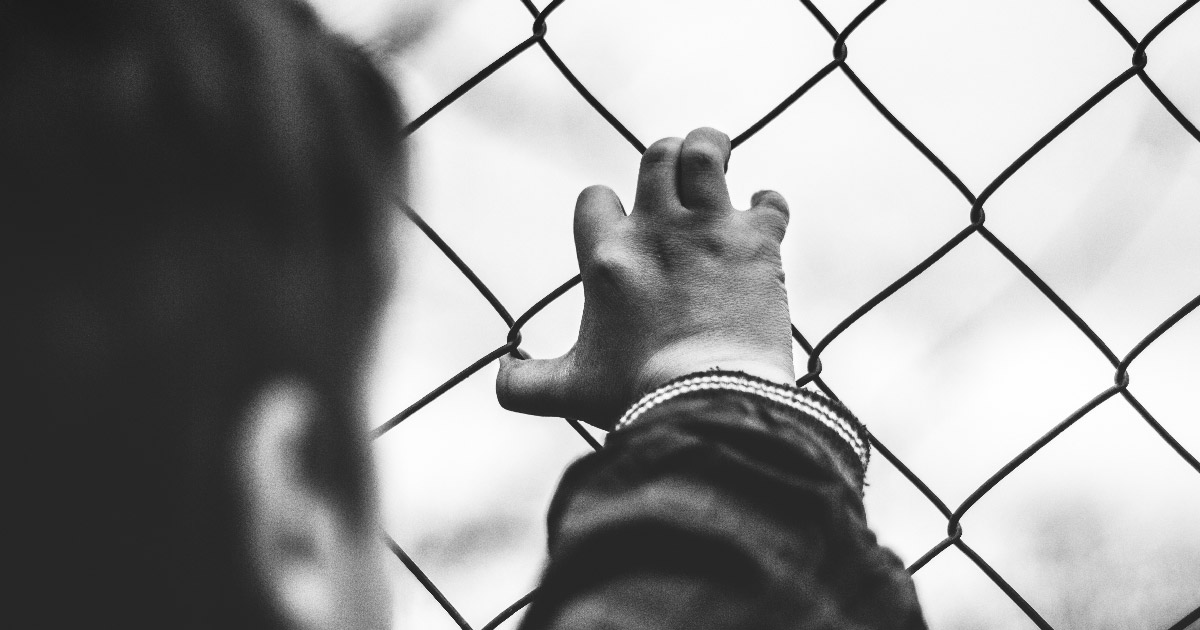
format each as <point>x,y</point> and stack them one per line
<point>194,197</point>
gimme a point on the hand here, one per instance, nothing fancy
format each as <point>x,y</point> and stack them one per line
<point>684,283</point>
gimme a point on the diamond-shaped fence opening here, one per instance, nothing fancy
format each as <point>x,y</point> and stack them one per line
<point>973,227</point>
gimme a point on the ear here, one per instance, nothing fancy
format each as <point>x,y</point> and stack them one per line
<point>320,570</point>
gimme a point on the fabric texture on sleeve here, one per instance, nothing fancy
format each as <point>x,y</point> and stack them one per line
<point>719,509</point>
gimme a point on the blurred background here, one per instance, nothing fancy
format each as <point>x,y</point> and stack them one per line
<point>956,373</point>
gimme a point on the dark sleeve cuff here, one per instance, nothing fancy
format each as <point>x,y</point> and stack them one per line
<point>722,501</point>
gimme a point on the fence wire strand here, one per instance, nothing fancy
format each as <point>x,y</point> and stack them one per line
<point>975,227</point>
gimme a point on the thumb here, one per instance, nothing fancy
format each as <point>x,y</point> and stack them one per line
<point>534,386</point>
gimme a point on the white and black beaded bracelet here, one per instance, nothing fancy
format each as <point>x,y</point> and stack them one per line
<point>817,407</point>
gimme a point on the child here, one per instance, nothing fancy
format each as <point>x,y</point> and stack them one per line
<point>195,195</point>
<point>194,198</point>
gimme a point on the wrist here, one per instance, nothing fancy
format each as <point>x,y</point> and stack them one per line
<point>773,372</point>
<point>848,434</point>
<point>667,366</point>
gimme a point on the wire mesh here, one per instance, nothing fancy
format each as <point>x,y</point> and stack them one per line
<point>975,226</point>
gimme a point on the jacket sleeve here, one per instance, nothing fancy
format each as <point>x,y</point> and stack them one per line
<point>721,501</point>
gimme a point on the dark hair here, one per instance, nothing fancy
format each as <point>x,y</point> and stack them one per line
<point>194,195</point>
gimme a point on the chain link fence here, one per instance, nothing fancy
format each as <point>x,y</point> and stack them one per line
<point>974,226</point>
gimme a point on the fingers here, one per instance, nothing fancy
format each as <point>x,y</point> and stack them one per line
<point>656,187</point>
<point>596,211</point>
<point>703,159</point>
<point>769,209</point>
<point>534,386</point>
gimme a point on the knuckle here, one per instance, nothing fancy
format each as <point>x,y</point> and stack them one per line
<point>506,393</point>
<point>595,192</point>
<point>770,199</point>
<point>713,136</point>
<point>776,216</point>
<point>775,225</point>
<point>761,251</point>
<point>771,211</point>
<point>661,151</point>
<point>609,264</point>
<point>718,133</point>
<point>764,225</point>
<point>702,156</point>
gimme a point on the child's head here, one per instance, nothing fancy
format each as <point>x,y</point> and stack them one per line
<point>194,195</point>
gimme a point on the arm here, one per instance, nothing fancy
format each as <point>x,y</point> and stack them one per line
<point>722,499</point>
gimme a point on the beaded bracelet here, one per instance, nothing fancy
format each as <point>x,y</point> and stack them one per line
<point>843,425</point>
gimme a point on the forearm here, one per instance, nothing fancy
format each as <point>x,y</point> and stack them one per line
<point>721,509</point>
